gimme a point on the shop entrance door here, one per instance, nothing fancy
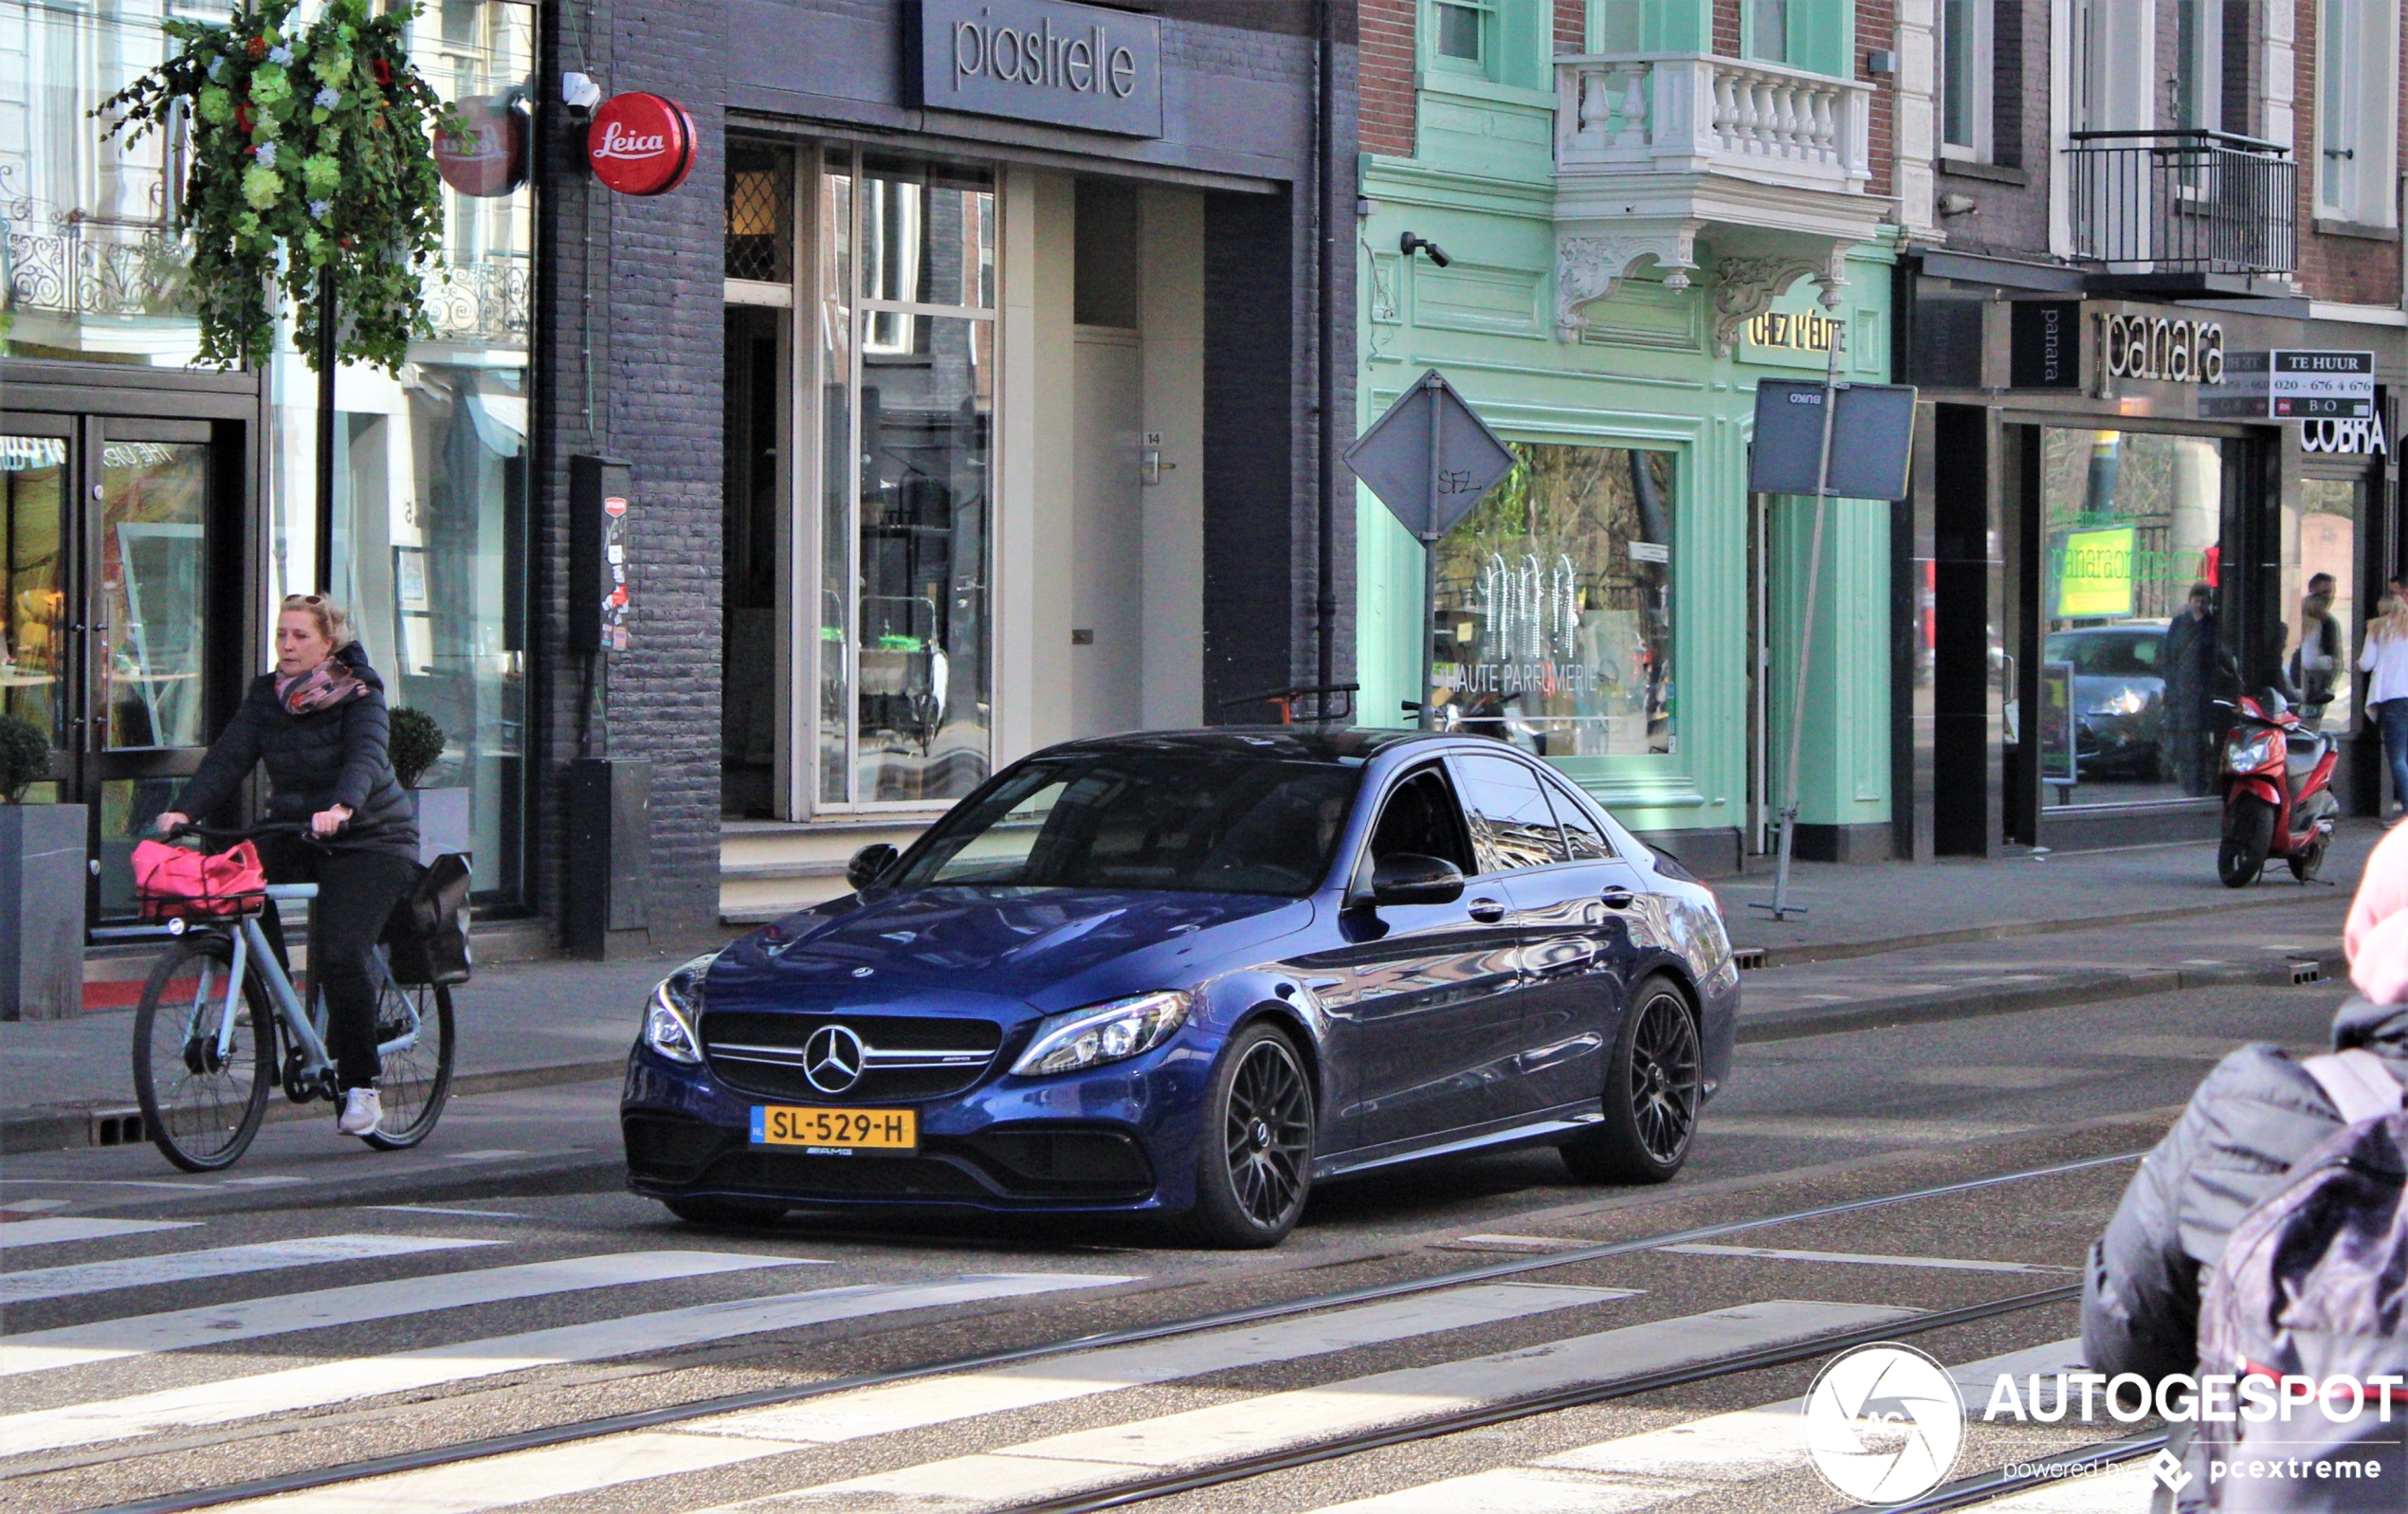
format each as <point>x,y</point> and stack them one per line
<point>107,528</point>
<point>1107,633</point>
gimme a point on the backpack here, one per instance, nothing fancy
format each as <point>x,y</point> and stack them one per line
<point>2313,1283</point>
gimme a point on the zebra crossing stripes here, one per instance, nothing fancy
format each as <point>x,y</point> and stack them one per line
<point>1267,1423</point>
<point>224,1261</point>
<point>523,1476</point>
<point>1662,1466</point>
<point>57,1230</point>
<point>341,1381</point>
<point>911,1405</point>
<point>220,1324</point>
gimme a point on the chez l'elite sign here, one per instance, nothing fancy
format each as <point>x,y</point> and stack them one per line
<point>1040,60</point>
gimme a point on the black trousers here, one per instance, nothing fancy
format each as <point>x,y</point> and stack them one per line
<point>356,892</point>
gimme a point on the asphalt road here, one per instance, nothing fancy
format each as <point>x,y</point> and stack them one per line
<point>326,1305</point>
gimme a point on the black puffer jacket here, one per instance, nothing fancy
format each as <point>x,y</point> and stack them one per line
<point>329,756</point>
<point>2257,1114</point>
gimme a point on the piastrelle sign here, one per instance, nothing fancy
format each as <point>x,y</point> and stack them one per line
<point>1041,60</point>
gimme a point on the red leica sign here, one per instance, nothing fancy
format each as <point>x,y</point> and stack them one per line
<point>640,144</point>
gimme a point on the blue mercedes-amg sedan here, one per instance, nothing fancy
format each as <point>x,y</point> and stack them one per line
<point>1192,973</point>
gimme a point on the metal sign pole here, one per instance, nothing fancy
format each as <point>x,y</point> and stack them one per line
<point>1781,906</point>
<point>1429,571</point>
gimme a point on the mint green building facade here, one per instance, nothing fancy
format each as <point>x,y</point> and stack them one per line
<point>1635,236</point>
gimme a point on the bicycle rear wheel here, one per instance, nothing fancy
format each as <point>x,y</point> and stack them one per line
<point>413,1082</point>
<point>203,1093</point>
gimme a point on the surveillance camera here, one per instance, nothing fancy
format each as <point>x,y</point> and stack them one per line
<point>1958,205</point>
<point>1408,243</point>
<point>579,93</point>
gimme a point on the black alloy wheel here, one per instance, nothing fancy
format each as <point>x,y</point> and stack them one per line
<point>1256,1165</point>
<point>1654,1087</point>
<point>2249,835</point>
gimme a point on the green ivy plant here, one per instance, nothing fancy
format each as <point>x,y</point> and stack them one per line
<point>312,154</point>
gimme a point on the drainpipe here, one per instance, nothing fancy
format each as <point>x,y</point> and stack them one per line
<point>1325,377</point>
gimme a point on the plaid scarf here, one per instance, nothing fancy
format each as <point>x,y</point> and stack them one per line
<point>329,683</point>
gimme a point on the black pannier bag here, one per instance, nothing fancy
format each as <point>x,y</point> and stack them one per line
<point>427,939</point>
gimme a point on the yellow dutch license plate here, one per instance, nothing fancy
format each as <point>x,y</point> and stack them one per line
<point>846,1130</point>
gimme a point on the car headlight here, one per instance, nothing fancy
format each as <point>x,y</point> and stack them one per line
<point>668,1019</point>
<point>1102,1034</point>
<point>2126,701</point>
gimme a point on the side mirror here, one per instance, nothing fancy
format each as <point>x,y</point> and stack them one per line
<point>1405,878</point>
<point>870,863</point>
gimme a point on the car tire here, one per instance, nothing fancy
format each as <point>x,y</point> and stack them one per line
<point>2249,835</point>
<point>1653,1088</point>
<point>1255,1161</point>
<point>721,1211</point>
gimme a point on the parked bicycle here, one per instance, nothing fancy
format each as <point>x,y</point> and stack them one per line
<point>221,1026</point>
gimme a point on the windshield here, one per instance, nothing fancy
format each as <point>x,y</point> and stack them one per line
<point>2118,654</point>
<point>1230,825</point>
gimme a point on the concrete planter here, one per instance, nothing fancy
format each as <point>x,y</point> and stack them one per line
<point>44,871</point>
<point>443,822</point>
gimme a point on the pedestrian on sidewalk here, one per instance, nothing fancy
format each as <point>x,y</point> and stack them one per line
<point>2385,658</point>
<point>319,722</point>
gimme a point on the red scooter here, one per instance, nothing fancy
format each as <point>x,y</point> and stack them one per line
<point>2278,796</point>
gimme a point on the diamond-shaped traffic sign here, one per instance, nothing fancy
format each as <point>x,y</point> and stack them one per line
<point>1430,459</point>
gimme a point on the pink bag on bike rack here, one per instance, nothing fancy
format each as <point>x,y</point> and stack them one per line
<point>170,881</point>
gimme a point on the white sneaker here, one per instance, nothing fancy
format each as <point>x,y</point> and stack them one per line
<point>361,1112</point>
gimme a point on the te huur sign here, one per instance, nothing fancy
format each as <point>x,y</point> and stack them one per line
<point>1041,60</point>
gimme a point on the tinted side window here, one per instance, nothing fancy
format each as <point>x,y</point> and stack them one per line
<point>1581,833</point>
<point>1511,824</point>
<point>1421,817</point>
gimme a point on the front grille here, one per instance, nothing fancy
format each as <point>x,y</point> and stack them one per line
<point>801,1175</point>
<point>908,1056</point>
<point>1040,1161</point>
<point>667,1148</point>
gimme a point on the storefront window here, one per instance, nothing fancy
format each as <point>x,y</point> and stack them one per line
<point>430,508</point>
<point>2139,646</point>
<point>907,379</point>
<point>2319,600</point>
<point>1554,605</point>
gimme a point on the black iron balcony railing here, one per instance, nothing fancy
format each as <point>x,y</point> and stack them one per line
<point>2184,202</point>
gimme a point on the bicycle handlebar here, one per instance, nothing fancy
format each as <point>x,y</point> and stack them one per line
<point>266,828</point>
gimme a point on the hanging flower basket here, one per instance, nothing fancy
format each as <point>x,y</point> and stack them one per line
<point>312,156</point>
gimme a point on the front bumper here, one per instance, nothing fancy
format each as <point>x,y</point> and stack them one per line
<point>1117,1138</point>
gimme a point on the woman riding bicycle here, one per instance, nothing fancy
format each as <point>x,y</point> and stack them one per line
<point>320,724</point>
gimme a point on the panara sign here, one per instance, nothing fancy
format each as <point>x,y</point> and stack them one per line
<point>1041,61</point>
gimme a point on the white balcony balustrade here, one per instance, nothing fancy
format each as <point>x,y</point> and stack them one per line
<point>1763,172</point>
<point>1689,113</point>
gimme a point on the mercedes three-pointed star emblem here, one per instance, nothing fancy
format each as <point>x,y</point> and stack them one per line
<point>833,1057</point>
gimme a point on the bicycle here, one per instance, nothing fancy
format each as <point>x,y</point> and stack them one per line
<point>221,1025</point>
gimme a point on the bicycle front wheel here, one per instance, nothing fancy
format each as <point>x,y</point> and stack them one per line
<point>203,1082</point>
<point>414,1075</point>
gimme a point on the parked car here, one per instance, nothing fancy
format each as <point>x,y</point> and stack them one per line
<point>1192,973</point>
<point>2119,697</point>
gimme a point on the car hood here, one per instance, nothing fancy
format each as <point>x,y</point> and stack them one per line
<point>1050,948</point>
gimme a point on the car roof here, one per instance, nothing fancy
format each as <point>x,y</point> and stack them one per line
<point>1292,744</point>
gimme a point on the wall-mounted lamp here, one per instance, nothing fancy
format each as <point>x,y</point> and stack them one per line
<point>1408,243</point>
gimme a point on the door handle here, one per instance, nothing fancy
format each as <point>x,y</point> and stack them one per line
<point>1619,899</point>
<point>1486,911</point>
